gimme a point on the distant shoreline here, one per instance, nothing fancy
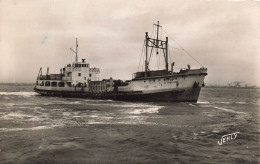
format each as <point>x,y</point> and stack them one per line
<point>232,87</point>
<point>17,84</point>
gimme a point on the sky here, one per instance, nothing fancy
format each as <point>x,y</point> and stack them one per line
<point>223,36</point>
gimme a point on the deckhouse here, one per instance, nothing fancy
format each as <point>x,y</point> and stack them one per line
<point>76,74</point>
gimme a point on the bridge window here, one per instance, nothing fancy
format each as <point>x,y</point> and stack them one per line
<point>90,75</point>
<point>61,84</point>
<point>54,84</point>
<point>47,83</point>
<point>79,74</point>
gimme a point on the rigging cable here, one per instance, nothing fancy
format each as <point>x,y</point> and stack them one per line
<point>183,48</point>
<point>176,48</point>
<point>141,57</point>
<point>150,59</point>
<point>160,58</point>
<point>161,33</point>
<point>170,57</point>
<point>181,53</point>
<point>157,61</point>
<point>154,35</point>
<point>143,67</point>
<point>152,31</point>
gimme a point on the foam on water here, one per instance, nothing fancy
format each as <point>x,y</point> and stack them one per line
<point>154,109</point>
<point>130,105</point>
<point>221,108</point>
<point>66,113</point>
<point>133,108</point>
<point>71,102</point>
<point>25,94</point>
<point>23,117</point>
<point>241,102</point>
<point>223,102</point>
<point>9,104</point>
<point>215,131</point>
<point>203,102</point>
<point>228,110</point>
<point>21,129</point>
<point>94,116</point>
<point>192,105</point>
<point>15,115</point>
<point>76,116</point>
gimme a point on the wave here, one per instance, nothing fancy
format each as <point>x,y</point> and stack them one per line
<point>241,102</point>
<point>192,105</point>
<point>154,109</point>
<point>142,108</point>
<point>221,102</point>
<point>21,129</point>
<point>20,116</point>
<point>203,102</point>
<point>228,110</point>
<point>224,102</point>
<point>25,94</point>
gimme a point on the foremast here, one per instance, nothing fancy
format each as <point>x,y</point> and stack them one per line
<point>157,44</point>
<point>76,52</point>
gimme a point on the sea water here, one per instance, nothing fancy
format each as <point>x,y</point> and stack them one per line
<point>39,129</point>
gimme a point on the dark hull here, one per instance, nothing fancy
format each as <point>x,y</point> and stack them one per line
<point>185,95</point>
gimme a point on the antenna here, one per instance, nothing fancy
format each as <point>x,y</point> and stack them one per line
<point>76,52</point>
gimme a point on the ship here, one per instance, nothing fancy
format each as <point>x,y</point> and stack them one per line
<point>79,80</point>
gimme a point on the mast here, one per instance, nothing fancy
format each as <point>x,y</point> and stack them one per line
<point>157,40</point>
<point>39,74</point>
<point>47,73</point>
<point>166,54</point>
<point>158,44</point>
<point>146,53</point>
<point>76,52</point>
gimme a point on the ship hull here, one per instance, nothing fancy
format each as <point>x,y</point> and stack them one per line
<point>180,95</point>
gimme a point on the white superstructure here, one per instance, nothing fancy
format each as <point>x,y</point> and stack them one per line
<point>79,73</point>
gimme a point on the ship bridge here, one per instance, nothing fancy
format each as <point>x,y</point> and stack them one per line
<point>74,74</point>
<point>79,72</point>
